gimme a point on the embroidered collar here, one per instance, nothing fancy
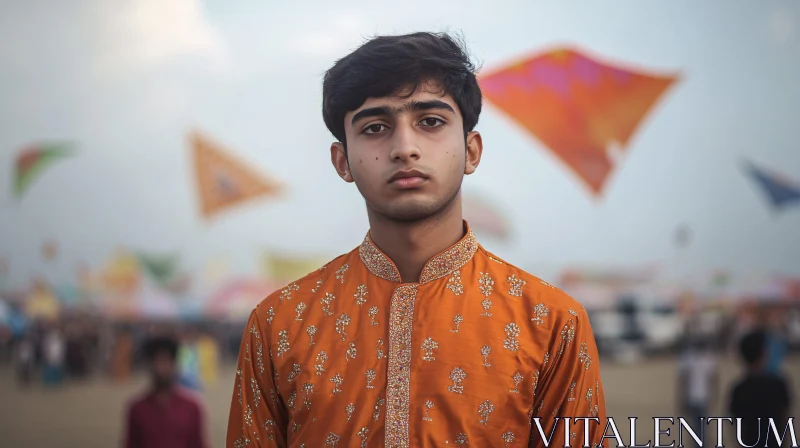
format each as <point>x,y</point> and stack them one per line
<point>451,259</point>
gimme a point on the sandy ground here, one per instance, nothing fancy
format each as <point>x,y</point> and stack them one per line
<point>90,415</point>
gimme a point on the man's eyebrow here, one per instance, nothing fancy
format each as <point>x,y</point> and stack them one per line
<point>412,105</point>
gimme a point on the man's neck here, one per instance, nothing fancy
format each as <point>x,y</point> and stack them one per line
<point>410,245</point>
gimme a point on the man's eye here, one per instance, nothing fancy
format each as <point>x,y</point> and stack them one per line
<point>374,128</point>
<point>431,122</point>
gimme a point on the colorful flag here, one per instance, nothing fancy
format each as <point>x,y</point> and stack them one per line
<point>778,189</point>
<point>33,160</point>
<point>223,180</point>
<point>579,108</point>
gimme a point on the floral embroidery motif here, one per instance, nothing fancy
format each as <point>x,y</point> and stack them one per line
<point>270,315</point>
<point>517,378</point>
<point>341,271</point>
<point>294,373</point>
<point>571,396</point>
<point>361,292</point>
<point>256,391</point>
<point>311,331</point>
<point>398,387</point>
<point>373,311</point>
<point>308,389</point>
<point>535,383</point>
<point>484,410</point>
<point>286,293</point>
<point>584,357</point>
<point>428,407</point>
<point>429,345</point>
<point>508,437</point>
<point>351,352</point>
<point>571,311</point>
<point>290,402</point>
<point>546,359</point>
<point>269,426</point>
<point>299,310</point>
<point>341,325</point>
<point>332,440</point>
<point>567,335</point>
<point>512,333</point>
<point>485,350</point>
<point>381,354</point>
<point>317,286</point>
<point>363,432</point>
<point>337,381</point>
<point>457,376</point>
<point>540,311</point>
<point>457,320</point>
<point>376,414</point>
<point>486,285</point>
<point>370,378</point>
<point>454,283</point>
<point>295,427</point>
<point>516,286</point>
<point>248,416</point>
<point>320,365</point>
<point>283,342</point>
<point>461,439</point>
<point>349,409</point>
<point>326,303</point>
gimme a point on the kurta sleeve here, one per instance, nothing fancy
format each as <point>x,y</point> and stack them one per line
<point>570,389</point>
<point>257,417</point>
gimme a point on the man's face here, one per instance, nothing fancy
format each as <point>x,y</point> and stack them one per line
<point>163,368</point>
<point>407,156</point>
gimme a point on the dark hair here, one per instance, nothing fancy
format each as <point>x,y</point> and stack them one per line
<point>161,344</point>
<point>753,346</point>
<point>385,65</point>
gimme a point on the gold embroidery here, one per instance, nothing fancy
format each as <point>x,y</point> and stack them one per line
<point>337,381</point>
<point>308,389</point>
<point>486,284</point>
<point>349,409</point>
<point>276,380</point>
<point>286,293</point>
<point>269,426</point>
<point>299,310</point>
<point>351,352</point>
<point>273,397</point>
<point>485,350</point>
<point>317,286</point>
<point>451,259</point>
<point>540,311</point>
<point>372,313</point>
<point>535,383</point>
<point>295,427</point>
<point>457,376</point>
<point>241,442</point>
<point>516,285</point>
<point>461,439</point>
<point>571,396</point>
<point>428,407</point>
<point>457,320</point>
<point>332,440</point>
<point>376,262</point>
<point>484,410</point>
<point>571,311</point>
<point>270,315</point>
<point>239,386</point>
<point>256,391</point>
<point>370,378</point>
<point>260,356</point>
<point>361,292</point>
<point>547,284</point>
<point>381,354</point>
<point>376,414</point>
<point>363,432</point>
<point>290,402</point>
<point>401,316</point>
<point>584,357</point>
<point>283,342</point>
<point>341,271</point>
<point>248,416</point>
<point>341,325</point>
<point>508,437</point>
<point>320,365</point>
<point>326,303</point>
<point>567,335</point>
<point>294,373</point>
<point>429,345</point>
<point>311,331</point>
<point>546,359</point>
<point>517,378</point>
<point>247,352</point>
<point>454,284</point>
<point>512,333</point>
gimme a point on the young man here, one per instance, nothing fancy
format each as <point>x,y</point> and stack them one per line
<point>759,395</point>
<point>165,416</point>
<point>418,337</point>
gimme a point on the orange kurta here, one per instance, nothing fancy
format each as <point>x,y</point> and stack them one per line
<point>478,351</point>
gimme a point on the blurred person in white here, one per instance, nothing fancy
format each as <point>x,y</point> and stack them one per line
<point>53,356</point>
<point>698,379</point>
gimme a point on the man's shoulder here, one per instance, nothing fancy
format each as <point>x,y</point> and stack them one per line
<point>307,285</point>
<point>542,296</point>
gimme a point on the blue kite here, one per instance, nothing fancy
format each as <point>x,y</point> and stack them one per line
<point>781,191</point>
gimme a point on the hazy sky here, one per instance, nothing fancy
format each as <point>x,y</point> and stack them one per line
<point>127,80</point>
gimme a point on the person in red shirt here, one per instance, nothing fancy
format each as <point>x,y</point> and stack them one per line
<point>165,415</point>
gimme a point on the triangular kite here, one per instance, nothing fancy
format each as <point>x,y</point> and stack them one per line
<point>779,190</point>
<point>31,161</point>
<point>577,107</point>
<point>223,180</point>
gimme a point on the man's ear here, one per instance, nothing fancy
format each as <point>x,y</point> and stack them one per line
<point>474,152</point>
<point>339,161</point>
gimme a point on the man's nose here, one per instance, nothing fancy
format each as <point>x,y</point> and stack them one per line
<point>405,145</point>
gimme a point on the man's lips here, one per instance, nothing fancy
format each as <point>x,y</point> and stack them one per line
<point>408,179</point>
